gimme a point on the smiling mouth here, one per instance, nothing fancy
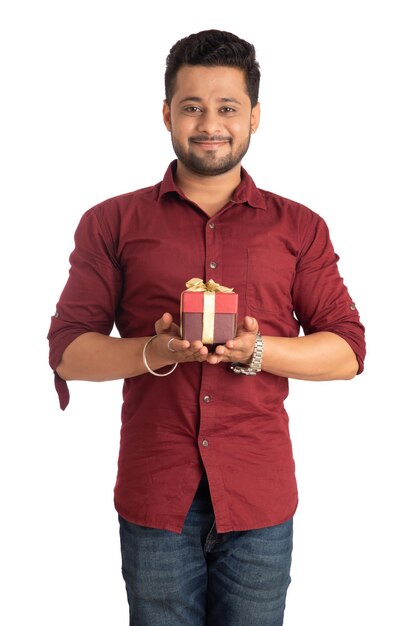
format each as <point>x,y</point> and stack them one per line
<point>211,145</point>
<point>208,144</point>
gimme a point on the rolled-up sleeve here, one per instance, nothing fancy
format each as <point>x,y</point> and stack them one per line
<point>90,296</point>
<point>321,299</point>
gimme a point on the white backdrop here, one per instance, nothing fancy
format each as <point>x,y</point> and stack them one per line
<point>82,91</point>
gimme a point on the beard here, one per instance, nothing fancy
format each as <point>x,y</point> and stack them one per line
<point>209,164</point>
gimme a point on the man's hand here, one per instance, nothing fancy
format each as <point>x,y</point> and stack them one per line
<point>241,348</point>
<point>169,343</point>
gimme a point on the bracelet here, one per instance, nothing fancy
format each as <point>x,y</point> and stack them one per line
<point>144,358</point>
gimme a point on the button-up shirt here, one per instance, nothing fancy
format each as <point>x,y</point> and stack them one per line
<point>133,255</point>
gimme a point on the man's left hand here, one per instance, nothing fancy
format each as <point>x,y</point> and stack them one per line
<point>241,348</point>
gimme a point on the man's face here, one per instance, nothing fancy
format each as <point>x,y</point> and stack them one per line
<point>210,118</point>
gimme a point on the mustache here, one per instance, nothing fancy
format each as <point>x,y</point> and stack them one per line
<point>208,138</point>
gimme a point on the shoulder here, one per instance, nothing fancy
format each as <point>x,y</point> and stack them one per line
<point>118,210</point>
<point>110,219</point>
<point>125,202</point>
<point>287,205</point>
<point>292,213</point>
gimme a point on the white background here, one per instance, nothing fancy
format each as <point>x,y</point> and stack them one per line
<point>82,91</point>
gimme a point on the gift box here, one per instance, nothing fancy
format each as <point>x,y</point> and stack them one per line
<point>208,312</point>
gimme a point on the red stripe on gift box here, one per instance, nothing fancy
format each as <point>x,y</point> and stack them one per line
<point>192,302</point>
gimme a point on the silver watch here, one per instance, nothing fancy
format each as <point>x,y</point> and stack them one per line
<point>255,366</point>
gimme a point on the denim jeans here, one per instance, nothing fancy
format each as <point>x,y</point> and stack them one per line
<point>204,578</point>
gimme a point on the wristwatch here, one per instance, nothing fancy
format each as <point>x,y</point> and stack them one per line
<point>255,366</point>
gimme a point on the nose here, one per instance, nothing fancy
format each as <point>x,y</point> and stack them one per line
<point>209,123</point>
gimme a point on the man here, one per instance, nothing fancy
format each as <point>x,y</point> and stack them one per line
<point>206,488</point>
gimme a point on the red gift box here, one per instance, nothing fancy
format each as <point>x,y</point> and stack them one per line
<point>208,312</point>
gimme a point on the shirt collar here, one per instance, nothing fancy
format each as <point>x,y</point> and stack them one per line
<point>245,193</point>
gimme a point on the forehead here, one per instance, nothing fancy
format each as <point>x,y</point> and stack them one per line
<point>199,81</point>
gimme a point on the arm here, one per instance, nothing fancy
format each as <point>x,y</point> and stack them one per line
<point>80,345</point>
<point>96,357</point>
<point>320,356</point>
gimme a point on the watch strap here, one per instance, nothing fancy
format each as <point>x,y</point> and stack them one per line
<point>255,365</point>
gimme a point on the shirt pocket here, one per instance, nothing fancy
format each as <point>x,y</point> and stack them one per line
<point>270,276</point>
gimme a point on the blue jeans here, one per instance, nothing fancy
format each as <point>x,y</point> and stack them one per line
<point>204,578</point>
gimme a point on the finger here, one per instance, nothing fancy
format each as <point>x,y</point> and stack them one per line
<point>238,349</point>
<point>250,324</point>
<point>222,353</point>
<point>214,358</point>
<point>164,323</point>
<point>232,349</point>
<point>167,318</point>
<point>190,355</point>
<point>175,344</point>
<point>169,347</point>
<point>186,350</point>
<point>197,347</point>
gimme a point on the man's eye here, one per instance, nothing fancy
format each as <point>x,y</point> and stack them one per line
<point>192,109</point>
<point>227,110</point>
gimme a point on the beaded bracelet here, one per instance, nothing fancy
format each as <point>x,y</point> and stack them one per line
<point>144,358</point>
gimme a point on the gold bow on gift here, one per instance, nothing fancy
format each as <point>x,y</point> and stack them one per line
<point>197,284</point>
<point>209,290</point>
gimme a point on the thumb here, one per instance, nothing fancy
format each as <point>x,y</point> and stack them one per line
<point>250,324</point>
<point>163,323</point>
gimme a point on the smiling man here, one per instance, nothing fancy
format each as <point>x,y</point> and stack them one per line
<point>210,132</point>
<point>206,488</point>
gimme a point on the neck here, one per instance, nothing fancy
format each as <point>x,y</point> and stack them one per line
<point>210,193</point>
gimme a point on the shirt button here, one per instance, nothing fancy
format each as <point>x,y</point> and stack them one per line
<point>352,306</point>
<point>206,399</point>
<point>212,265</point>
<point>211,225</point>
<point>205,443</point>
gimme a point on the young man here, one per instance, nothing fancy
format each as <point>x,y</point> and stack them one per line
<point>206,487</point>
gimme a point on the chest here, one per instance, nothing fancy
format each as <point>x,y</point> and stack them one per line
<point>240,248</point>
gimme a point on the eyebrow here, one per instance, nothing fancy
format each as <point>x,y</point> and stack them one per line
<point>197,99</point>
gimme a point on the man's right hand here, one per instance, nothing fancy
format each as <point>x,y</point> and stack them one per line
<point>169,343</point>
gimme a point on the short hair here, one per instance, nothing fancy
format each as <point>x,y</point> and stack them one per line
<point>213,48</point>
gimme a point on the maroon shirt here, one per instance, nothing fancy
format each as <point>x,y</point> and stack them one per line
<point>133,255</point>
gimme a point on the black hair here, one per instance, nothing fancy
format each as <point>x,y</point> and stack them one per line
<point>213,48</point>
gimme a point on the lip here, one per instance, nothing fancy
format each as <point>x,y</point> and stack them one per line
<point>210,145</point>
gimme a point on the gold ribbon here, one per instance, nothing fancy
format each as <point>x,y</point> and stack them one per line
<point>197,284</point>
<point>210,288</point>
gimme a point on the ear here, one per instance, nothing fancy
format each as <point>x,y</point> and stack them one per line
<point>255,117</point>
<point>167,115</point>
